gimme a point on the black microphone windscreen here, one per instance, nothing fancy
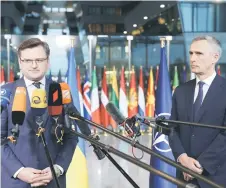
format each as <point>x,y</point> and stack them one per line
<point>115,113</point>
<point>83,127</point>
<point>55,99</point>
<point>18,117</point>
<point>55,95</point>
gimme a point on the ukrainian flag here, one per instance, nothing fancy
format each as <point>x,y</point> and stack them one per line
<point>77,174</point>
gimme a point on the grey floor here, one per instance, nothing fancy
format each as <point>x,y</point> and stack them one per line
<point>103,174</point>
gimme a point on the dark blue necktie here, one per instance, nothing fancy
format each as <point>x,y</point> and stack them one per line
<point>37,84</point>
<point>198,101</point>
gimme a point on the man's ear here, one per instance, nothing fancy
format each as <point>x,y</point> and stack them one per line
<point>216,57</point>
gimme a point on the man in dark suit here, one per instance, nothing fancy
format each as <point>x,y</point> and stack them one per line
<point>201,100</point>
<point>25,164</point>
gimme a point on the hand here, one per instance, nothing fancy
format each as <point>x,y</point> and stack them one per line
<point>29,174</point>
<point>187,177</point>
<point>190,163</point>
<point>44,178</point>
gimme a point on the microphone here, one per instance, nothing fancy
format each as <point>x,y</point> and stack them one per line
<point>131,125</point>
<point>38,106</point>
<point>84,128</point>
<point>55,100</point>
<point>55,109</point>
<point>5,96</point>
<point>18,112</point>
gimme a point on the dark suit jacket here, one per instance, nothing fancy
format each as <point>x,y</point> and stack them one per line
<point>29,150</point>
<point>206,145</point>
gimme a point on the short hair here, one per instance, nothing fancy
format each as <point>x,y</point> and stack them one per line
<point>33,42</point>
<point>213,42</point>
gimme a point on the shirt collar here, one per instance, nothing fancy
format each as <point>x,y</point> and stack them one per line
<point>208,80</point>
<point>30,82</point>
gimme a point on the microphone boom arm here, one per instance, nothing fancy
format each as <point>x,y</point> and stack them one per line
<point>147,150</point>
<point>137,162</point>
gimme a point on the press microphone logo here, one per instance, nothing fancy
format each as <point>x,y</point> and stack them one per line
<point>161,142</point>
<point>3,92</point>
<point>36,100</point>
<point>55,96</point>
<point>66,94</point>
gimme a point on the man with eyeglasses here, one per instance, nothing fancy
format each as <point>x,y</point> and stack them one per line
<point>25,165</point>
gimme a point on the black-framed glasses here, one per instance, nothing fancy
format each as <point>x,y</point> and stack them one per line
<point>30,61</point>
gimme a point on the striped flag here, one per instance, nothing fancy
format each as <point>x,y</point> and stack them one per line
<point>133,100</point>
<point>104,101</point>
<point>95,102</point>
<point>114,96</point>
<point>2,81</point>
<point>141,100</point>
<point>156,76</point>
<point>77,174</point>
<point>175,79</point>
<point>218,70</point>
<point>184,74</point>
<point>86,97</point>
<point>79,90</point>
<point>59,77</point>
<point>150,104</point>
<point>11,75</point>
<point>123,101</point>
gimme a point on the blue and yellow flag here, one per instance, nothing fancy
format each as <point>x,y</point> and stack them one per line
<point>160,141</point>
<point>77,174</point>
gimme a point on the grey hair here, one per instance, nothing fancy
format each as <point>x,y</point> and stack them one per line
<point>213,42</point>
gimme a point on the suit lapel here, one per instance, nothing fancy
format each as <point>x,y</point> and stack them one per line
<point>190,99</point>
<point>209,98</point>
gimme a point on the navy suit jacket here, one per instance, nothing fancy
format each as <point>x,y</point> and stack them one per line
<point>206,145</point>
<point>29,150</point>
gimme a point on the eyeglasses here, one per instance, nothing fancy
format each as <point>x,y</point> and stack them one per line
<point>30,61</point>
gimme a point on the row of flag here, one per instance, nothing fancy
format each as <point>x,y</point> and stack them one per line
<point>2,77</point>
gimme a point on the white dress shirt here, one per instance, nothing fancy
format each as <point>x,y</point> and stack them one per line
<point>30,88</point>
<point>207,82</point>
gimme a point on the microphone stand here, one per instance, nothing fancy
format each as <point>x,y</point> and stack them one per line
<point>137,162</point>
<point>165,123</point>
<point>119,168</point>
<point>147,150</point>
<point>40,133</point>
<point>101,153</point>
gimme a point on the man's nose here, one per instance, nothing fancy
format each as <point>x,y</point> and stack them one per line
<point>34,65</point>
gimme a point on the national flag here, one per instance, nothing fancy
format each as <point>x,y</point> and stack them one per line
<point>86,97</point>
<point>150,104</point>
<point>141,99</point>
<point>175,79</point>
<point>59,77</point>
<point>218,70</point>
<point>123,101</point>
<point>104,101</point>
<point>184,75</point>
<point>77,174</point>
<point>95,102</point>
<point>114,96</point>
<point>133,99</point>
<point>2,81</point>
<point>156,76</point>
<point>79,90</point>
<point>160,141</point>
<point>50,75</point>
<point>11,75</point>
